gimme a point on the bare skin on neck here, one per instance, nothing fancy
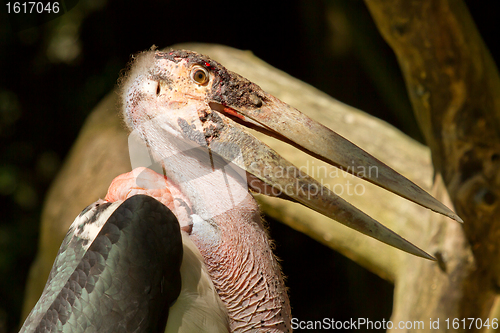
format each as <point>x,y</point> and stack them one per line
<point>245,271</point>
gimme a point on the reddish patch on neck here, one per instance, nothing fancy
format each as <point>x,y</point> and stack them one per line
<point>140,181</point>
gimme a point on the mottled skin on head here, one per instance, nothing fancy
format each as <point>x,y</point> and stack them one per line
<point>223,87</point>
<point>234,244</point>
<point>227,88</point>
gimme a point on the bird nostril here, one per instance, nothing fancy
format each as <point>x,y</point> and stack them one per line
<point>158,89</point>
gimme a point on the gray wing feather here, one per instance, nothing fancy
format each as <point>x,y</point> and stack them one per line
<point>117,271</point>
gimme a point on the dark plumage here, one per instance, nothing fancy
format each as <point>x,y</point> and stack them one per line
<point>122,279</point>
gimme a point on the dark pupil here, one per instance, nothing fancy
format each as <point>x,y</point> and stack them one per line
<point>200,75</point>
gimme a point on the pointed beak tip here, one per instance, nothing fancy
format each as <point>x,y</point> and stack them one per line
<point>452,215</point>
<point>457,218</point>
<point>416,251</point>
<point>429,257</point>
<point>422,254</point>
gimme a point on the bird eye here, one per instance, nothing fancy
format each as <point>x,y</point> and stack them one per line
<point>199,75</point>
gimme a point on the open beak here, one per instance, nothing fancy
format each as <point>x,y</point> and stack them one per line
<point>275,118</point>
<point>211,114</point>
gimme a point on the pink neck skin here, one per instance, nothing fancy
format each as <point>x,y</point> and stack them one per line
<point>245,271</point>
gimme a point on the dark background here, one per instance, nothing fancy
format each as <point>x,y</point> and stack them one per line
<point>54,71</point>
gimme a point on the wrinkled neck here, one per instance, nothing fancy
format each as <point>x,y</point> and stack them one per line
<point>228,231</point>
<point>245,271</point>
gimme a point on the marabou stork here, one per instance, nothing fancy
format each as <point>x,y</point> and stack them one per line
<point>121,267</point>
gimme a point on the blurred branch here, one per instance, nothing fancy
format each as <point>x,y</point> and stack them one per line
<point>454,87</point>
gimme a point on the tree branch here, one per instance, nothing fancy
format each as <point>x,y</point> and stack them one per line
<point>454,87</point>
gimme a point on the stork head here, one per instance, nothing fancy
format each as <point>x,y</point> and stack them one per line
<point>196,102</point>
